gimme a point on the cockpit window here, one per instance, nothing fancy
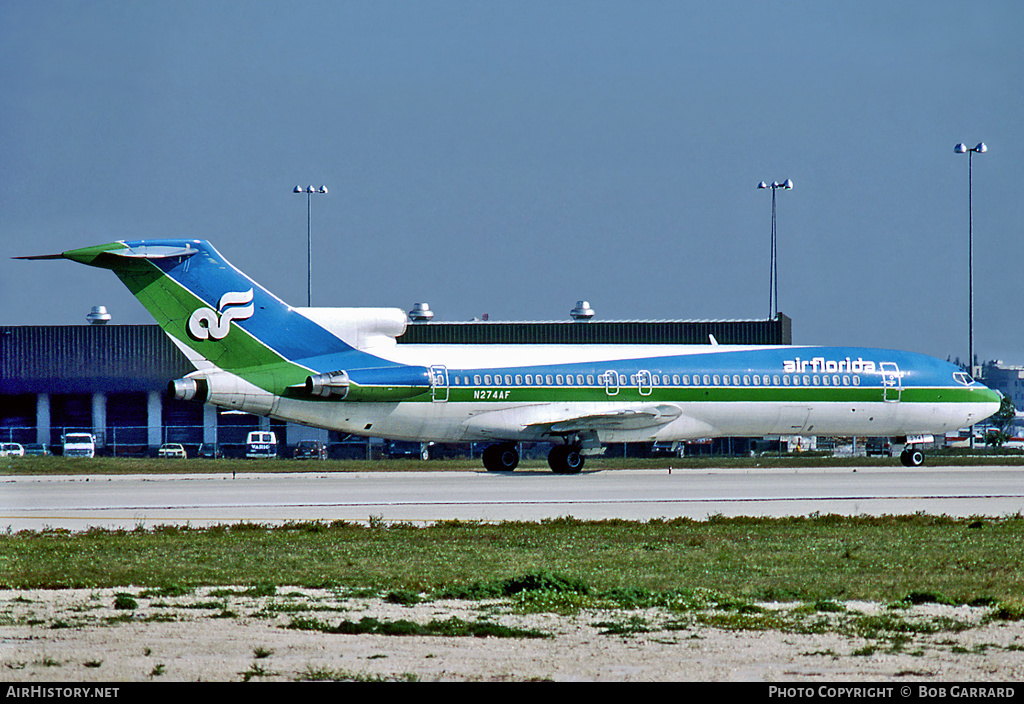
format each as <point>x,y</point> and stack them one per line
<point>963,378</point>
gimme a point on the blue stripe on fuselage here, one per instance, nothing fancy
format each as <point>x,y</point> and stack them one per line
<point>914,369</point>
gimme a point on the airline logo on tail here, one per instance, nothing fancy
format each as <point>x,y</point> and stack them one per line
<point>206,324</point>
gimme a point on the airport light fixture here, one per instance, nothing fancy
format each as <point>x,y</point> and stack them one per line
<point>309,191</point>
<point>773,278</point>
<point>970,151</point>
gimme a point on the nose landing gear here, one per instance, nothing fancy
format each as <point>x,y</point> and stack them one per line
<point>912,457</point>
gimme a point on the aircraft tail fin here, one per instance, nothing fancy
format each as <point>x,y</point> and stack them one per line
<point>216,314</point>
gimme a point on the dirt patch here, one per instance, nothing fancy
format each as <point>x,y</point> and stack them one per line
<point>237,634</point>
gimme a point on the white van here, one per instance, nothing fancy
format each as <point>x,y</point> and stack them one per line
<point>79,445</point>
<point>261,444</point>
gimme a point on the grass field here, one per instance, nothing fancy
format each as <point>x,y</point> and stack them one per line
<point>811,558</point>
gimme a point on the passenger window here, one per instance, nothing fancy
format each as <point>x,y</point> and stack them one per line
<point>725,380</point>
<point>568,379</point>
<point>590,379</point>
<point>487,379</point>
<point>549,380</point>
<point>707,380</point>
<point>776,379</point>
<point>785,380</point>
<point>807,380</point>
<point>757,380</point>
<point>476,379</point>
<point>579,380</point>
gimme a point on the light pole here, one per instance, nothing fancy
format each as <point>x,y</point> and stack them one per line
<point>309,191</point>
<point>773,278</point>
<point>961,149</point>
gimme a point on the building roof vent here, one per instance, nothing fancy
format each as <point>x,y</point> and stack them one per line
<point>421,313</point>
<point>582,311</point>
<point>98,316</point>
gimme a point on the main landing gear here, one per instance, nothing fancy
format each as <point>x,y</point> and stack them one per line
<point>504,457</point>
<point>565,459</point>
<point>501,458</point>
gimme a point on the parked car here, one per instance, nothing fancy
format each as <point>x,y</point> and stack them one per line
<point>310,450</point>
<point>878,447</point>
<point>395,449</point>
<point>172,449</point>
<point>36,449</point>
<point>11,449</point>
<point>667,449</point>
<point>209,451</point>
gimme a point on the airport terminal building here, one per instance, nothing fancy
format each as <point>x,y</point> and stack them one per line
<point>111,380</point>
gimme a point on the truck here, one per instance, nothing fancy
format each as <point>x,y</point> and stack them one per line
<point>79,445</point>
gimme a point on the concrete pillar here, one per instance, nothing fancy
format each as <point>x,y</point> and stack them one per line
<point>99,418</point>
<point>43,419</point>
<point>209,423</point>
<point>154,419</point>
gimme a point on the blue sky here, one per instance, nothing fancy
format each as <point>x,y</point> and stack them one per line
<point>511,158</point>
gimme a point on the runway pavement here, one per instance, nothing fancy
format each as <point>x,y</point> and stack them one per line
<point>79,502</point>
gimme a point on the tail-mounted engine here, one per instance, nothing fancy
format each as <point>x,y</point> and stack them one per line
<point>222,389</point>
<point>380,384</point>
<point>329,384</point>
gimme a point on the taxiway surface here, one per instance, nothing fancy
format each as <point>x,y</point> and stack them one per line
<point>80,502</point>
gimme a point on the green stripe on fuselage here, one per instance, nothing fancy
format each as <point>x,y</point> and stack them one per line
<point>762,394</point>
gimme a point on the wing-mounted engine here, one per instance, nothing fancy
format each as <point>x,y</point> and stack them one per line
<point>381,384</point>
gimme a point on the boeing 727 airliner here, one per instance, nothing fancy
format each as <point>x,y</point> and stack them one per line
<point>341,369</point>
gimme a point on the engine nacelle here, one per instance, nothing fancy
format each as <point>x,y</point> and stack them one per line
<point>189,389</point>
<point>222,389</point>
<point>378,384</point>
<point>328,384</point>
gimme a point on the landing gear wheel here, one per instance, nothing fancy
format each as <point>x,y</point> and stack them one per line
<point>501,458</point>
<point>565,459</point>
<point>912,457</point>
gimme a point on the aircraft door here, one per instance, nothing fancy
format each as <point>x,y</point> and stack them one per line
<point>439,383</point>
<point>610,381</point>
<point>644,383</point>
<point>892,385</point>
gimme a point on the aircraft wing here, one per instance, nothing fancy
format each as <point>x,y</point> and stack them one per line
<point>621,419</point>
<point>548,420</point>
